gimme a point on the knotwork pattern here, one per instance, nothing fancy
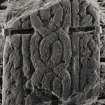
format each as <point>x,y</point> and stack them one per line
<point>51,51</point>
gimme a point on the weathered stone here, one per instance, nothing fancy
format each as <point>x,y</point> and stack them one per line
<point>56,55</point>
<point>27,67</point>
<point>54,65</point>
<point>28,100</point>
<point>13,77</point>
<point>45,46</point>
<point>102,44</point>
<point>58,14</point>
<point>102,75</point>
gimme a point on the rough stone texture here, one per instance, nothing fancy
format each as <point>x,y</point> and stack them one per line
<point>102,44</point>
<point>53,66</point>
<point>1,66</point>
<point>102,94</point>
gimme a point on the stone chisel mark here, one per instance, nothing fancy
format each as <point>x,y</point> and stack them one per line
<point>103,26</point>
<point>3,7</point>
<point>84,29</point>
<point>102,59</point>
<point>11,31</point>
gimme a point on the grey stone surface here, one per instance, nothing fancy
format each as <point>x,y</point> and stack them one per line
<point>53,66</point>
<point>102,44</point>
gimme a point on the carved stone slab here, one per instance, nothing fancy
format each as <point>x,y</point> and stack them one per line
<point>54,65</point>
